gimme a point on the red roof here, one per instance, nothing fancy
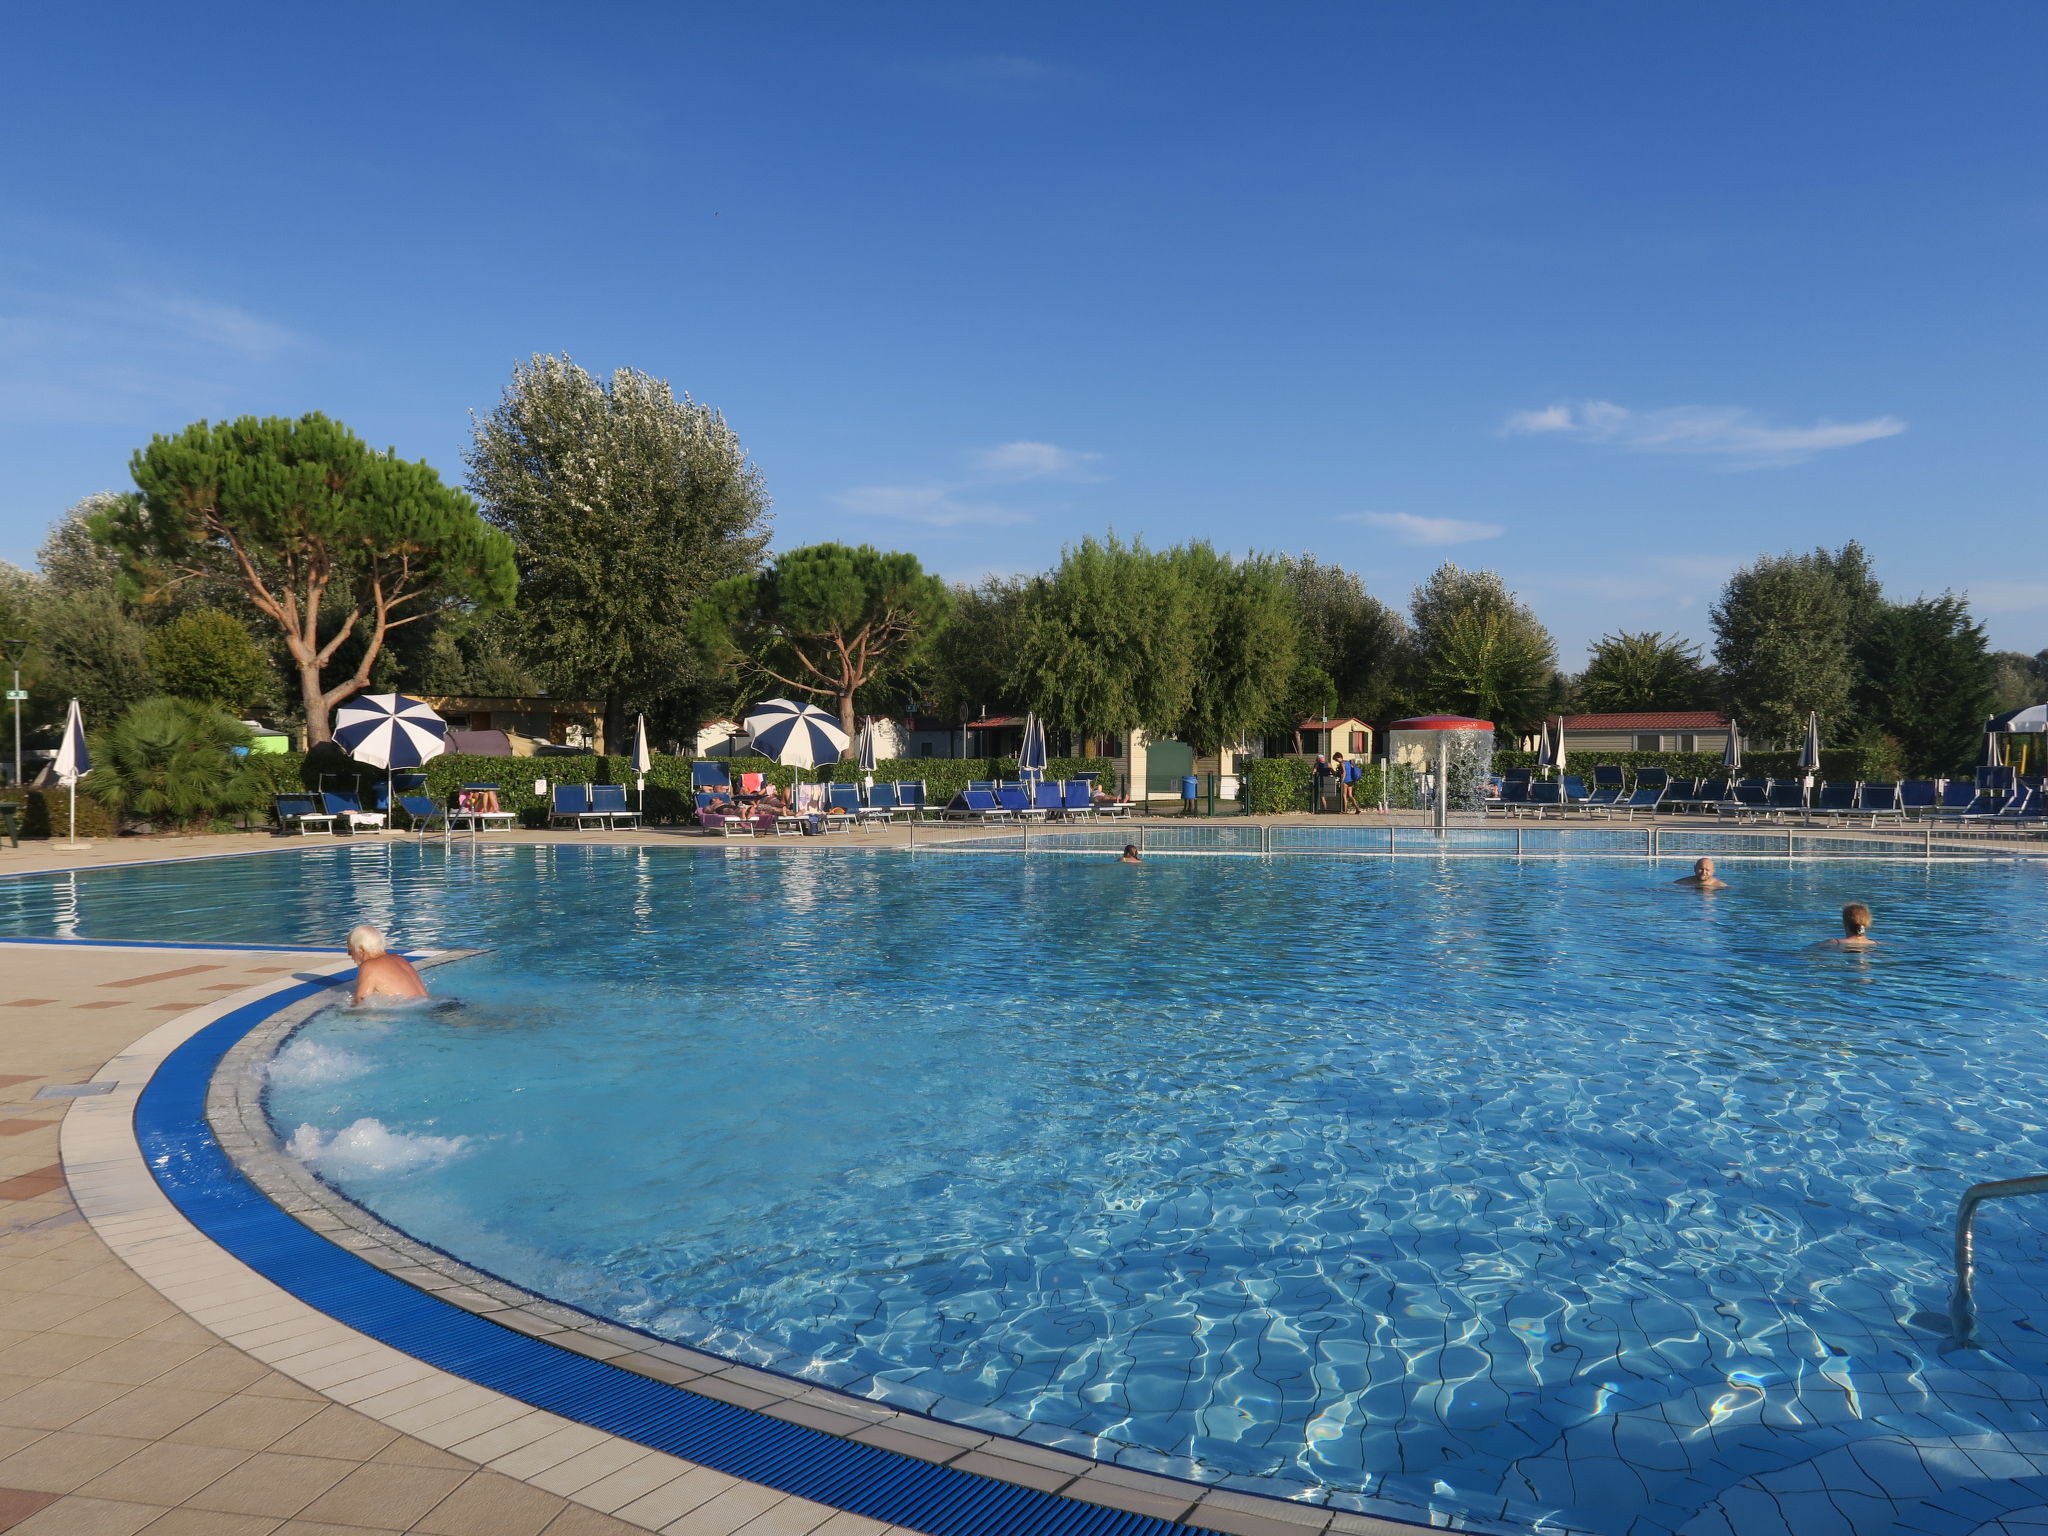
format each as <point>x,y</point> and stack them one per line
<point>994,723</point>
<point>1323,723</point>
<point>1443,723</point>
<point>1653,720</point>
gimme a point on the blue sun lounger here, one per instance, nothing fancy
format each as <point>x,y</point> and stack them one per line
<point>303,811</point>
<point>975,805</point>
<point>346,807</point>
<point>1077,800</point>
<point>422,810</point>
<point>571,802</point>
<point>609,801</point>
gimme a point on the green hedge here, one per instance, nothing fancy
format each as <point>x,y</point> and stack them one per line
<point>1838,764</point>
<point>47,813</point>
<point>669,798</point>
<point>1271,785</point>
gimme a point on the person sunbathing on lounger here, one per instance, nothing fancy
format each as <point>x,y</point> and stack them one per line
<point>378,972</point>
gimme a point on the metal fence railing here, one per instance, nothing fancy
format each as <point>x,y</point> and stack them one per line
<point>1399,840</point>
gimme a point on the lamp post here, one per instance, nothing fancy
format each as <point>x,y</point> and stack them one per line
<point>14,651</point>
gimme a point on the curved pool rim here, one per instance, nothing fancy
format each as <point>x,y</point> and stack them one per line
<point>205,1184</point>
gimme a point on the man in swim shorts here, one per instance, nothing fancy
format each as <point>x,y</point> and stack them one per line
<point>1703,876</point>
<point>1130,855</point>
<point>379,973</point>
<point>1855,929</point>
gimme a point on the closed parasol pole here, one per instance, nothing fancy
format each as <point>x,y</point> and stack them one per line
<point>643,760</point>
<point>74,762</point>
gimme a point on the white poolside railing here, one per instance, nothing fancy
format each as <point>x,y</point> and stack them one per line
<point>1398,840</point>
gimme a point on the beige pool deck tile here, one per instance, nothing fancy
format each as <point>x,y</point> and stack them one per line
<point>380,1494</point>
<point>487,1504</point>
<point>148,1412</point>
<point>57,1402</point>
<point>79,1516</point>
<point>61,1462</point>
<point>338,1432</point>
<point>165,1473</point>
<point>243,1423</point>
<point>207,1522</point>
<point>269,1483</point>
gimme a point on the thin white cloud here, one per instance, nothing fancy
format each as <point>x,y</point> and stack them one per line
<point>1728,432</point>
<point>935,506</point>
<point>73,349</point>
<point>963,502</point>
<point>1410,529</point>
<point>2008,596</point>
<point>1034,461</point>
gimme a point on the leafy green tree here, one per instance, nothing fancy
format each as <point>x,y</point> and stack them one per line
<point>1365,648</point>
<point>87,648</point>
<point>173,760</point>
<point>967,663</point>
<point>1782,643</point>
<point>308,520</point>
<point>71,559</point>
<point>2021,680</point>
<point>627,506</point>
<point>1245,628</point>
<point>1483,652</point>
<point>1928,680</point>
<point>1107,642</point>
<point>208,657</point>
<point>822,620</point>
<point>1645,670</point>
<point>473,655</point>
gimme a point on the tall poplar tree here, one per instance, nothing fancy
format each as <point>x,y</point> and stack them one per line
<point>626,505</point>
<point>1483,651</point>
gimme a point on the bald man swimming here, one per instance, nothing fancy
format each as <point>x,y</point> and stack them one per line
<point>1703,876</point>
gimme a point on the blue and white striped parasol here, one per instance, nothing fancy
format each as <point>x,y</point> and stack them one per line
<point>1809,753</point>
<point>798,735</point>
<point>73,763</point>
<point>643,758</point>
<point>1031,751</point>
<point>864,752</point>
<point>1546,755</point>
<point>389,730</point>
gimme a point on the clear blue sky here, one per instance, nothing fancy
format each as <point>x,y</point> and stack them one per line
<point>1607,296</point>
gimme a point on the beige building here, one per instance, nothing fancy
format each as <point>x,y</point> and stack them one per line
<point>539,720</point>
<point>1689,730</point>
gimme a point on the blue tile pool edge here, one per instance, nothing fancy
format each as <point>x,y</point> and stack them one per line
<point>198,1177</point>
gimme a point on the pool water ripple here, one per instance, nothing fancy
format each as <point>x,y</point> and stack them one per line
<point>1513,1192</point>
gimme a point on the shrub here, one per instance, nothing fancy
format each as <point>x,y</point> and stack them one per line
<point>208,657</point>
<point>1276,784</point>
<point>172,760</point>
<point>47,813</point>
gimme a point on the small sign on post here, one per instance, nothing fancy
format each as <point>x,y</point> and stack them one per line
<point>17,695</point>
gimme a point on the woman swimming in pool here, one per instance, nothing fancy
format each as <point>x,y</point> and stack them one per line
<point>1855,929</point>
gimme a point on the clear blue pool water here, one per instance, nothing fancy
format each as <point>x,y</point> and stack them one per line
<point>1520,1192</point>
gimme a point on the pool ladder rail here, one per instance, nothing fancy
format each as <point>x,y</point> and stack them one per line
<point>1963,1306</point>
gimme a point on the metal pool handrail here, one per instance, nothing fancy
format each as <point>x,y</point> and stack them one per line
<point>1963,1309</point>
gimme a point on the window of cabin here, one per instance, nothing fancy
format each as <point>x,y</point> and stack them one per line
<point>1358,743</point>
<point>1649,743</point>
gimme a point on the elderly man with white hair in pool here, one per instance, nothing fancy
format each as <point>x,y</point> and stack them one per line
<point>378,972</point>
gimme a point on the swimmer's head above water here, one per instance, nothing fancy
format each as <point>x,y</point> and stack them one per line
<point>379,973</point>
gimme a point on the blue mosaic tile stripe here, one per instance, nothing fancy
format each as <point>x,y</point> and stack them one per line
<point>192,1170</point>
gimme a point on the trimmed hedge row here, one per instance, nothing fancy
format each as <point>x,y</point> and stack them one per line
<point>47,813</point>
<point>669,799</point>
<point>1839,764</point>
<point>1271,785</point>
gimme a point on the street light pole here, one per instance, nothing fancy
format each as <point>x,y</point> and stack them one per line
<point>15,650</point>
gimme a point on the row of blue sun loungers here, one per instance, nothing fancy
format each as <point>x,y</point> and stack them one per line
<point>1957,800</point>
<point>580,805</point>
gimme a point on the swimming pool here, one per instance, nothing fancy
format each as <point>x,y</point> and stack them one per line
<point>1523,1192</point>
